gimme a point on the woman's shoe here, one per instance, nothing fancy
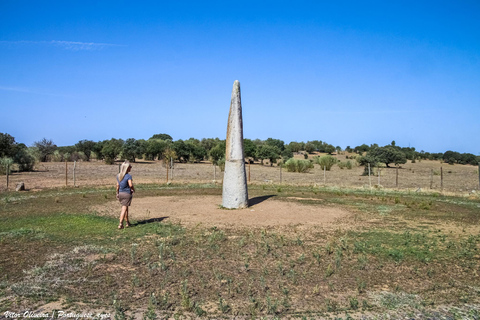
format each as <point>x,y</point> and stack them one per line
<point>120,226</point>
<point>128,224</point>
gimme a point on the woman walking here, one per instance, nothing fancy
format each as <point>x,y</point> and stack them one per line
<point>125,191</point>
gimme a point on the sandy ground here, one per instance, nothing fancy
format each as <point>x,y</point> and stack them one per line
<point>205,210</point>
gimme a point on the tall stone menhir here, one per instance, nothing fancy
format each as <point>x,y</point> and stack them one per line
<point>235,193</point>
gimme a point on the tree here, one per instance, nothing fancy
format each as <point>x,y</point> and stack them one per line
<point>24,158</point>
<point>7,145</point>
<point>310,147</point>
<point>287,153</point>
<point>388,154</point>
<point>197,151</point>
<point>451,157</point>
<point>85,146</point>
<point>366,160</point>
<point>111,149</point>
<point>329,149</point>
<point>154,148</point>
<point>468,158</point>
<point>130,149</point>
<point>209,143</point>
<point>217,153</point>
<point>45,148</point>
<point>162,136</point>
<point>275,143</point>
<point>361,149</point>
<point>295,146</point>
<point>250,149</point>
<point>97,149</point>
<point>182,150</point>
<point>272,153</point>
<point>142,146</point>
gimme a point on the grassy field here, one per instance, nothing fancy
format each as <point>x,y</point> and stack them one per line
<point>426,175</point>
<point>399,254</point>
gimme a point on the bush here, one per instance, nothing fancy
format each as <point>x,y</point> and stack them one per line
<point>326,162</point>
<point>25,159</point>
<point>221,164</point>
<point>347,164</point>
<point>57,156</point>
<point>77,156</point>
<point>296,165</point>
<point>45,149</point>
<point>5,163</point>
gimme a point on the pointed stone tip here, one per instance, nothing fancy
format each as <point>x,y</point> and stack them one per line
<point>236,87</point>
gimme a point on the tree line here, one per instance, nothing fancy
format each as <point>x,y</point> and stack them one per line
<point>162,146</point>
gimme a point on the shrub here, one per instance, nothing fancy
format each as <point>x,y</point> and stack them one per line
<point>297,165</point>
<point>45,148</point>
<point>347,164</point>
<point>57,156</point>
<point>5,163</point>
<point>221,164</point>
<point>326,162</point>
<point>25,159</point>
<point>77,156</point>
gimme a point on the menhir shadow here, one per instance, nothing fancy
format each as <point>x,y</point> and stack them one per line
<point>257,200</point>
<point>150,221</point>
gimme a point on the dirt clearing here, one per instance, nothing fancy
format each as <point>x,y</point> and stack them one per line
<point>205,210</point>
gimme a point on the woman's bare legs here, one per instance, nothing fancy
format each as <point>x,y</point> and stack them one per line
<point>122,216</point>
<point>126,218</point>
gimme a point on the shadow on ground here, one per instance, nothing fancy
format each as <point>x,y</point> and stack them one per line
<point>257,200</point>
<point>152,220</point>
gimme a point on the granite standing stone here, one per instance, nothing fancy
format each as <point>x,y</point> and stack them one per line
<point>235,191</point>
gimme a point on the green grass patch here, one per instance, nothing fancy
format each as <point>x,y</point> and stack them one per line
<point>390,255</point>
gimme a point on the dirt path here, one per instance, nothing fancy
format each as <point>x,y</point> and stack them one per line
<point>205,210</point>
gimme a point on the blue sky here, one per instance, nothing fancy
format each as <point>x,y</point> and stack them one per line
<point>344,72</point>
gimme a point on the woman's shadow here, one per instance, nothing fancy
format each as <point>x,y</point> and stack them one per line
<point>151,220</point>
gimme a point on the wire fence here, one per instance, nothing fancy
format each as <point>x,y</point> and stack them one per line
<point>425,175</point>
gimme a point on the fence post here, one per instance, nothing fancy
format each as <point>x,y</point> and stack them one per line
<point>8,172</point>
<point>171,165</point>
<point>369,178</point>
<point>74,181</point>
<point>214,173</point>
<point>378,173</point>
<point>66,173</point>
<point>324,175</point>
<point>166,167</point>
<point>479,175</point>
<point>280,174</point>
<point>396,177</point>
<point>431,178</point>
<point>441,178</point>
<point>248,170</point>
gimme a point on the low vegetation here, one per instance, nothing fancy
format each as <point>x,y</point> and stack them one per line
<point>298,165</point>
<point>398,255</point>
<point>326,162</point>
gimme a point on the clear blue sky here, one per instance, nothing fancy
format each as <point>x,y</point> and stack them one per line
<point>344,72</point>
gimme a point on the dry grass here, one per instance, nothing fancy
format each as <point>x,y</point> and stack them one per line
<point>399,254</point>
<point>459,179</point>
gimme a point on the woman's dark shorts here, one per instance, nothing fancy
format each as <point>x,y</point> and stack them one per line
<point>125,198</point>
